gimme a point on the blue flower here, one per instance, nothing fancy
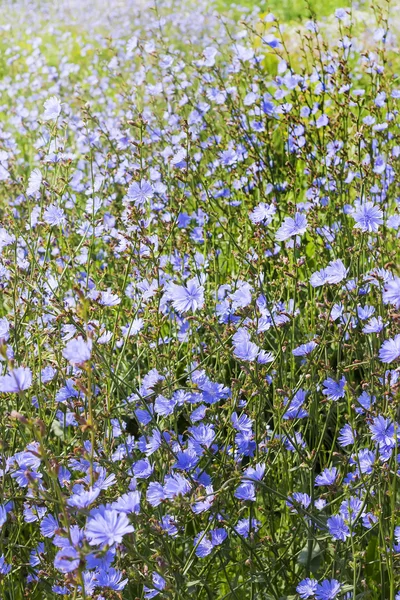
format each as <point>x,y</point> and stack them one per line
<point>245,491</point>
<point>292,227</point>
<point>246,350</point>
<point>107,298</point>
<point>89,582</point>
<point>128,503</point>
<point>5,568</point>
<point>205,502</point>
<point>242,423</point>
<point>390,350</point>
<point>84,498</point>
<point>301,500</point>
<point>106,527</point>
<point>186,460</point>
<point>334,273</point>
<point>366,459</point>
<point>366,401</point>
<point>244,526</point>
<point>111,579</point>
<point>327,477</point>
<point>33,513</point>
<point>49,526</point>
<point>18,380</point>
<point>77,351</point>
<point>159,584</point>
<point>391,292</point>
<point>318,278</point>
<point>293,444</point>
<point>218,536</point>
<point>263,213</point>
<point>322,121</point>
<point>340,13</point>
<point>54,215</point>
<point>164,406</point>
<point>346,436</point>
<point>240,299</point>
<point>307,588</point>
<point>52,109</point>
<point>351,509</point>
<point>338,528</point>
<point>294,406</point>
<point>141,192</point>
<point>202,434</point>
<point>264,357</point>
<point>365,312</point>
<point>374,325</point>
<point>368,217</point>
<point>34,183</point>
<point>67,559</point>
<point>256,473</point>
<point>334,390</point>
<point>142,469</point>
<point>36,555</point>
<point>47,374</point>
<point>100,559</point>
<point>328,589</point>
<point>198,414</point>
<point>155,493</point>
<point>203,545</point>
<point>245,443</point>
<point>304,349</point>
<point>168,524</point>
<point>60,590</point>
<point>185,298</point>
<point>380,165</point>
<point>3,515</point>
<point>176,485</point>
<point>368,520</point>
<point>383,432</point>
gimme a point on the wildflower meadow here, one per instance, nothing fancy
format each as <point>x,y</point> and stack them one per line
<point>200,300</point>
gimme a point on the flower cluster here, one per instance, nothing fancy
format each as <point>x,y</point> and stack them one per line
<point>199,328</point>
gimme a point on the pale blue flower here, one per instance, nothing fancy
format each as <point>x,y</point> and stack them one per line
<point>292,227</point>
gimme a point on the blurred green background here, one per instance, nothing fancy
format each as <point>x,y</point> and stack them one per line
<point>294,10</point>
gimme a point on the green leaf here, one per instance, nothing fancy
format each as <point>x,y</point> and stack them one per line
<point>316,556</point>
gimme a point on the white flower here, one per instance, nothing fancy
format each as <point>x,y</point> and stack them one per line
<point>132,44</point>
<point>35,181</point>
<point>52,109</point>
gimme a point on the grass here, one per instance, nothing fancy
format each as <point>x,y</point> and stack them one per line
<point>289,10</point>
<point>199,304</point>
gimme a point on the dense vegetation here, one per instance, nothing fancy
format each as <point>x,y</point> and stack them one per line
<point>199,326</point>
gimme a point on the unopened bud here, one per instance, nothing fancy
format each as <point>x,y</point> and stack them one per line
<point>19,417</point>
